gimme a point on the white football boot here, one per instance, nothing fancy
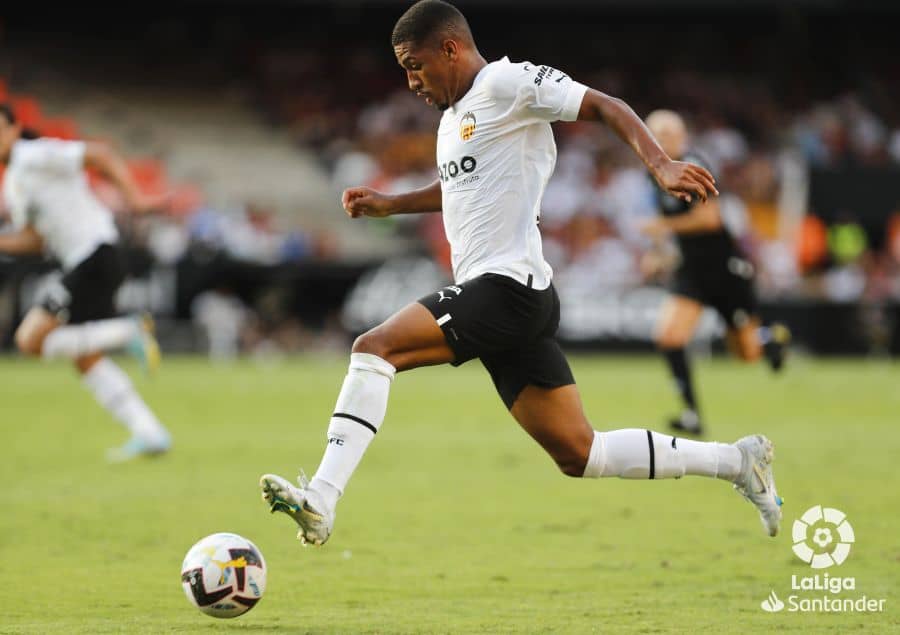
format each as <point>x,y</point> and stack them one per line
<point>303,504</point>
<point>756,482</point>
<point>138,446</point>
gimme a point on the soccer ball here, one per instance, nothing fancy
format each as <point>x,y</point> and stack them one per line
<point>224,575</point>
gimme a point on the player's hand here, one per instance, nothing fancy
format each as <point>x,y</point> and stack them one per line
<point>686,181</point>
<point>364,201</point>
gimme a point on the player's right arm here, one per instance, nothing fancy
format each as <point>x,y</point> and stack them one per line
<point>547,94</point>
<point>684,180</point>
<point>112,166</point>
<point>21,242</point>
<point>364,201</point>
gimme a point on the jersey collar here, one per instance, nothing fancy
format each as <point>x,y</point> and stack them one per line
<point>478,78</point>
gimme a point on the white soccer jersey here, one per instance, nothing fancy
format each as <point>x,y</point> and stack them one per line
<point>45,186</point>
<point>495,154</point>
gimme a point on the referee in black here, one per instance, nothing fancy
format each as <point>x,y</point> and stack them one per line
<point>712,272</point>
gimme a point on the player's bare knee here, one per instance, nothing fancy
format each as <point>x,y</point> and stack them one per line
<point>571,463</point>
<point>371,342</point>
<point>670,341</point>
<point>28,342</point>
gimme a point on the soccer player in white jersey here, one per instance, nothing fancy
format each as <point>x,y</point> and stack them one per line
<point>52,208</point>
<point>495,153</point>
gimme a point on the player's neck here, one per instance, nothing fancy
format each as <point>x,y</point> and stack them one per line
<point>6,155</point>
<point>472,67</point>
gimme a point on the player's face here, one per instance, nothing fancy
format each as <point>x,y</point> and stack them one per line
<point>9,133</point>
<point>429,72</point>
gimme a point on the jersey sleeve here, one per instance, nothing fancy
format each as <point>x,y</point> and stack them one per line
<point>539,92</point>
<point>51,155</point>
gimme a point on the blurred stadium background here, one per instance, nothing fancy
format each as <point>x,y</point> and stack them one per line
<point>257,114</point>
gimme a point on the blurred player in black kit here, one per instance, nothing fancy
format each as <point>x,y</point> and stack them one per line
<point>713,272</point>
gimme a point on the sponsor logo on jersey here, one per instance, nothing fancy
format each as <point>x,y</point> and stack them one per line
<point>467,126</point>
<point>546,72</point>
<point>450,170</point>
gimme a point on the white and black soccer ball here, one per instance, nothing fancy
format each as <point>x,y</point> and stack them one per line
<point>224,575</point>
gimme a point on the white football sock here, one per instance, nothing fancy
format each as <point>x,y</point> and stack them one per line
<point>114,391</point>
<point>91,337</point>
<point>357,417</point>
<point>635,453</point>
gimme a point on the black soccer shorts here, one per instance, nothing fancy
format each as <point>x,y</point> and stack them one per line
<point>509,326</point>
<point>726,286</point>
<point>88,291</point>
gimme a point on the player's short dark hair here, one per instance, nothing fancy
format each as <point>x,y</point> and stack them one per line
<point>428,18</point>
<point>8,113</point>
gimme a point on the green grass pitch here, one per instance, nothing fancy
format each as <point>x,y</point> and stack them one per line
<point>456,522</point>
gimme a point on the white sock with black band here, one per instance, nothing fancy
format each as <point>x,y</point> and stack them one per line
<point>643,454</point>
<point>357,416</point>
<point>113,390</point>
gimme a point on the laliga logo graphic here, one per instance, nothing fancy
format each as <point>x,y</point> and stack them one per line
<point>772,604</point>
<point>822,537</point>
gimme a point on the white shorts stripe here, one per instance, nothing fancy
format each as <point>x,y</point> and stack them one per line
<point>441,321</point>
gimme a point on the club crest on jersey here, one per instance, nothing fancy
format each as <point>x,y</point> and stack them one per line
<point>467,126</point>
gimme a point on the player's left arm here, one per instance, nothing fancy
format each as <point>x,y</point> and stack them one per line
<point>684,180</point>
<point>112,166</point>
<point>21,242</point>
<point>701,218</point>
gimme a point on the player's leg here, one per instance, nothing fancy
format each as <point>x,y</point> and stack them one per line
<point>409,339</point>
<point>750,341</point>
<point>75,316</point>
<point>115,392</point>
<point>110,386</point>
<point>555,419</point>
<point>133,334</point>
<point>537,386</point>
<point>37,324</point>
<point>75,321</point>
<point>748,338</point>
<point>678,321</point>
<point>744,341</point>
<point>43,334</point>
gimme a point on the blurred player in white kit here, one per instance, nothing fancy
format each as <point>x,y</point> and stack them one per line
<point>52,209</point>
